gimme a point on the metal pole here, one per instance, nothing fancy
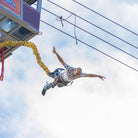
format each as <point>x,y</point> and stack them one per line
<point>39,4</point>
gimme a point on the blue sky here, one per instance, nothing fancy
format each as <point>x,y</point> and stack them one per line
<point>90,107</point>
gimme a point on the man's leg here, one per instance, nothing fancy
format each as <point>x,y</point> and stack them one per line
<point>48,86</point>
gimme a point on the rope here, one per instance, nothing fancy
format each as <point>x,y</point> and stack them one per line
<point>61,19</point>
<point>75,29</point>
<point>2,60</point>
<point>30,45</point>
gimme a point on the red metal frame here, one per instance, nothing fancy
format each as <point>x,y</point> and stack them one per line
<point>2,60</point>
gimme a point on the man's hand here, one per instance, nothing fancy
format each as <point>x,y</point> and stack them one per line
<point>54,50</point>
<point>101,77</point>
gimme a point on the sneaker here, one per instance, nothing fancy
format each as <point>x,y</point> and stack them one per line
<point>45,89</point>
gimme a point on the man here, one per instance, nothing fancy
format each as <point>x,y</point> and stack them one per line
<point>70,74</point>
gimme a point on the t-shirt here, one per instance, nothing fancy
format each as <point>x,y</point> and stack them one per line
<point>68,75</point>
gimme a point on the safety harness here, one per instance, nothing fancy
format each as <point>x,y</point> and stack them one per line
<point>61,82</point>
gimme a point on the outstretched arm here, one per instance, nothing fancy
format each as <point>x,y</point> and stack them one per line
<point>58,56</point>
<point>94,75</point>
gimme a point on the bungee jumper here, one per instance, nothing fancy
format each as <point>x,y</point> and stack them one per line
<point>64,77</point>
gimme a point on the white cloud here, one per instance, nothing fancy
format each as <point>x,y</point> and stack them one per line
<point>89,105</point>
<point>88,108</point>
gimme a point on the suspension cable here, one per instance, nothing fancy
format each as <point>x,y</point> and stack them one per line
<point>94,25</point>
<point>91,46</point>
<point>106,18</point>
<point>93,35</point>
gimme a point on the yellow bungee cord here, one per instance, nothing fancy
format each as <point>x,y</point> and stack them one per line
<point>27,44</point>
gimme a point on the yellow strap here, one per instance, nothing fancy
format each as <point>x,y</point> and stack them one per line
<point>27,44</point>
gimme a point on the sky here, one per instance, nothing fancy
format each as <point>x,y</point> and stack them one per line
<point>90,107</point>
